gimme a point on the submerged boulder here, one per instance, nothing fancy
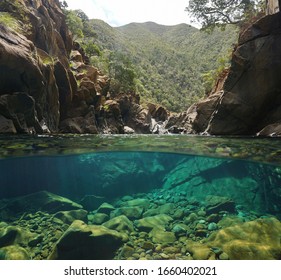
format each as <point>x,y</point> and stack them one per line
<point>40,201</point>
<point>255,240</point>
<point>87,242</point>
<point>155,222</point>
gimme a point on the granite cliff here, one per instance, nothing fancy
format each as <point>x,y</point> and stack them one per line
<point>46,84</point>
<point>247,98</point>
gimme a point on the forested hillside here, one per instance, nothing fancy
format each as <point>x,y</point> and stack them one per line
<point>170,65</point>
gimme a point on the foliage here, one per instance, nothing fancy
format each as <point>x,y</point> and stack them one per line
<point>210,77</point>
<point>122,71</point>
<point>14,16</point>
<point>75,24</point>
<point>9,21</point>
<point>211,13</point>
<point>91,49</point>
<point>168,61</point>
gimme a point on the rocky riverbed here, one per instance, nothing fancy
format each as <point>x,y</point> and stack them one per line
<point>161,224</point>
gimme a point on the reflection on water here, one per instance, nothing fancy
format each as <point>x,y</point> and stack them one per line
<point>212,199</point>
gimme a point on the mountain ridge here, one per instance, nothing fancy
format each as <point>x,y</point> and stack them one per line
<point>169,60</point>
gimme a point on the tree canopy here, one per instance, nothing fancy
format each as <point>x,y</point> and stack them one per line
<point>211,13</point>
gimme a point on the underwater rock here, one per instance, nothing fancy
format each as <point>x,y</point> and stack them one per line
<point>167,208</point>
<point>229,221</point>
<point>106,208</point>
<point>40,201</point>
<point>127,252</point>
<point>160,236</point>
<point>98,218</point>
<point>180,229</point>
<point>159,222</point>
<point>200,251</point>
<point>131,213</point>
<point>14,252</point>
<point>255,240</point>
<point>87,242</point>
<point>215,204</point>
<point>120,224</point>
<point>193,169</point>
<point>13,235</point>
<point>139,202</point>
<point>68,217</point>
<point>212,226</point>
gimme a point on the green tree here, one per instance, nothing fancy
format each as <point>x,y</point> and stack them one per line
<point>122,71</point>
<point>211,13</point>
<point>75,24</point>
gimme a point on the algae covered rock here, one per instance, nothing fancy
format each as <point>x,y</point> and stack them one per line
<point>131,213</point>
<point>159,222</point>
<point>138,202</point>
<point>13,252</point>
<point>167,208</point>
<point>215,204</point>
<point>98,218</point>
<point>160,236</point>
<point>40,201</point>
<point>106,208</point>
<point>255,240</point>
<point>120,224</point>
<point>12,235</point>
<point>69,217</point>
<point>88,242</point>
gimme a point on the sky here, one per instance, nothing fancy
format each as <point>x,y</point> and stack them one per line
<point>121,12</point>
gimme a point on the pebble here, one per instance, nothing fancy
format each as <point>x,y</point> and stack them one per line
<point>223,256</point>
<point>164,256</point>
<point>212,226</point>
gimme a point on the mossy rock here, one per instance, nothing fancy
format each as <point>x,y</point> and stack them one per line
<point>255,240</point>
<point>14,252</point>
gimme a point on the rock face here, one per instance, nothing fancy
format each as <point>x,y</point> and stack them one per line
<point>29,95</point>
<point>46,83</point>
<point>248,99</point>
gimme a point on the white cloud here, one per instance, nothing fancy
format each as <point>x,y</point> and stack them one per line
<point>120,12</point>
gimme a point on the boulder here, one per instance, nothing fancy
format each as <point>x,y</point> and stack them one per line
<point>40,201</point>
<point>106,208</point>
<point>87,242</point>
<point>68,217</point>
<point>162,237</point>
<point>14,252</point>
<point>215,204</point>
<point>131,213</point>
<point>138,202</point>
<point>7,126</point>
<point>255,240</point>
<point>98,218</point>
<point>159,222</point>
<point>120,224</point>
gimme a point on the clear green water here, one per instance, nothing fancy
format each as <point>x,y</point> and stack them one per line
<point>227,177</point>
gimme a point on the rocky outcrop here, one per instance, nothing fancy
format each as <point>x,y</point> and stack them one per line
<point>47,84</point>
<point>248,99</point>
<point>28,89</point>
